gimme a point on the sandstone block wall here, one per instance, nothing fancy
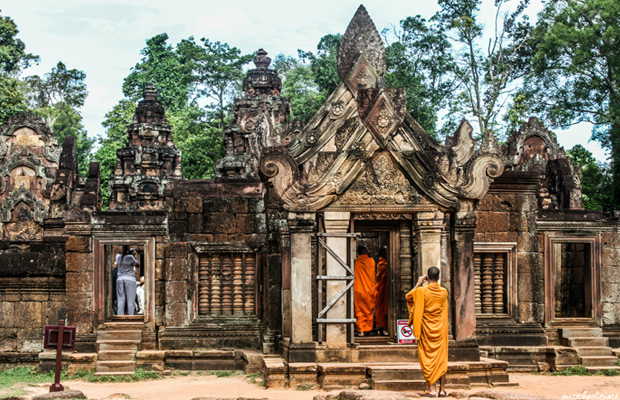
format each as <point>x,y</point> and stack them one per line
<point>32,292</point>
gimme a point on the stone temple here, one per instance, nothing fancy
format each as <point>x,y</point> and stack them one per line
<point>253,269</point>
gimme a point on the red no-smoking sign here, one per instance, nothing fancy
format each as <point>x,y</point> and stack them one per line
<point>405,333</point>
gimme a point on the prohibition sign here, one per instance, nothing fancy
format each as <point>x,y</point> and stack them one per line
<point>406,331</point>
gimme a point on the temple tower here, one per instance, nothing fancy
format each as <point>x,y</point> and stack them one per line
<point>149,161</point>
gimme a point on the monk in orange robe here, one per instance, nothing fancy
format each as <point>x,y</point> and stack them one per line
<point>364,290</point>
<point>381,285</point>
<point>428,314</point>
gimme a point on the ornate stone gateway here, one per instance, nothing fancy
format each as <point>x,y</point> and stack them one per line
<point>363,154</point>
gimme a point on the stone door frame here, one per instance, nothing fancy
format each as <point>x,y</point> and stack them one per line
<point>101,240</point>
<point>552,260</point>
<point>392,227</point>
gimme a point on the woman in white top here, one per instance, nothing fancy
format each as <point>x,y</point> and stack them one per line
<point>126,282</point>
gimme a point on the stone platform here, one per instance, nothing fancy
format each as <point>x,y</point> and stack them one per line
<point>400,376</point>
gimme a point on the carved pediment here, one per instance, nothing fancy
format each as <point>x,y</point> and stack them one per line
<point>362,148</point>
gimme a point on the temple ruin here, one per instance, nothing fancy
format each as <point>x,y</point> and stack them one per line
<point>253,269</point>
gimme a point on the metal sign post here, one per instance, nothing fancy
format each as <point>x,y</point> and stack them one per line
<point>59,337</point>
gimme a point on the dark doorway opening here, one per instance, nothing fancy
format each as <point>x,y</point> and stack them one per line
<point>374,234</point>
<point>575,291</point>
<point>111,251</point>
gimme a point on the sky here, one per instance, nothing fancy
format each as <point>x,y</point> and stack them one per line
<point>104,38</point>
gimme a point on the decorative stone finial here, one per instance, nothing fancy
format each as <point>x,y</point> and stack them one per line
<point>150,109</point>
<point>261,60</point>
<point>361,38</point>
<point>262,80</point>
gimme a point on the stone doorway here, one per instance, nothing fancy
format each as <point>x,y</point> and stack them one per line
<point>572,279</point>
<point>575,294</point>
<point>375,234</point>
<point>112,251</point>
<point>106,250</point>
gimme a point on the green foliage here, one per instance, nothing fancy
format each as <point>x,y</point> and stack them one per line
<point>488,77</point>
<point>69,123</point>
<point>13,56</point>
<point>139,375</point>
<point>578,370</point>
<point>115,138</point>
<point>299,86</point>
<point>198,139</point>
<point>12,98</point>
<point>11,376</point>
<point>596,182</point>
<point>324,63</point>
<point>167,69</point>
<point>607,372</point>
<point>420,61</point>
<point>576,70</point>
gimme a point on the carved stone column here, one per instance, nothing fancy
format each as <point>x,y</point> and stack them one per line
<point>336,222</point>
<point>464,286</point>
<point>302,227</point>
<point>429,226</point>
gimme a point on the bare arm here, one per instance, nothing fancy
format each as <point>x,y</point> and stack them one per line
<point>421,281</point>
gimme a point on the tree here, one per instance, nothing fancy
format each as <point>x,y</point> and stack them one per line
<point>576,71</point>
<point>58,90</point>
<point>324,64</point>
<point>299,86</point>
<point>218,71</point>
<point>13,60</point>
<point>596,182</point>
<point>420,61</point>
<point>115,123</point>
<point>69,123</point>
<point>488,78</point>
<point>164,67</point>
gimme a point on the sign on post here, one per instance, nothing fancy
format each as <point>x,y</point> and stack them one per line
<point>405,333</point>
<point>59,337</point>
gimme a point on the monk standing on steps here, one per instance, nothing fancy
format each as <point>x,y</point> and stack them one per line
<point>428,315</point>
<point>381,304</point>
<point>364,290</point>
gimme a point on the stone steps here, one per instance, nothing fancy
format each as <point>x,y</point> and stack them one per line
<point>594,351</point>
<point>116,355</point>
<point>592,347</point>
<point>588,342</point>
<point>399,385</point>
<point>117,346</point>
<point>599,361</point>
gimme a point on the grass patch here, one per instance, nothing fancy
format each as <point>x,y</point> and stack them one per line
<point>9,377</point>
<point>224,374</point>
<point>181,373</point>
<point>139,375</point>
<point>308,386</point>
<point>578,370</point>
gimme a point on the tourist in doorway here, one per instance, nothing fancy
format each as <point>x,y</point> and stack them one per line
<point>140,296</point>
<point>428,315</point>
<point>381,289</point>
<point>126,282</point>
<point>364,290</point>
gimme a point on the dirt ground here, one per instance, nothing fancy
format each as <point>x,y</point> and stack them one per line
<point>194,385</point>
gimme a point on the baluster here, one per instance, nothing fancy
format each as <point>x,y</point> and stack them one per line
<point>250,268</point>
<point>203,286</point>
<point>216,284</point>
<point>227,269</point>
<point>237,284</point>
<point>487,283</point>
<point>498,284</point>
<point>477,262</point>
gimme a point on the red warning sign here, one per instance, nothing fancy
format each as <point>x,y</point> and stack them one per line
<point>405,333</point>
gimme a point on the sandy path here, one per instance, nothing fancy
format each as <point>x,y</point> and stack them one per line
<point>194,385</point>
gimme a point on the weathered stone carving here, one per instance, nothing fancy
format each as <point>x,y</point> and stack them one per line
<point>534,148</point>
<point>362,117</point>
<point>261,121</point>
<point>149,161</point>
<point>29,161</point>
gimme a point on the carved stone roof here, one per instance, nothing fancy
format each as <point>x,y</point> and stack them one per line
<point>362,126</point>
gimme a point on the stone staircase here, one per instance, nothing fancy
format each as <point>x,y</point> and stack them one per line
<point>592,347</point>
<point>117,344</point>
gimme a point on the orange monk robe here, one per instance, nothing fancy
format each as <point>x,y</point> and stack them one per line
<point>364,292</point>
<point>381,285</point>
<point>428,314</point>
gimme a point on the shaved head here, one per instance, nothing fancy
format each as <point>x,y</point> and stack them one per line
<point>433,274</point>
